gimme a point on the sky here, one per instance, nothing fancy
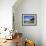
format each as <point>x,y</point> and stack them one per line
<point>27,18</point>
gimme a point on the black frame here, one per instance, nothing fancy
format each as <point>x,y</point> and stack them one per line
<point>35,17</point>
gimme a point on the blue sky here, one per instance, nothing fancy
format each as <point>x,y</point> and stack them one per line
<point>28,17</point>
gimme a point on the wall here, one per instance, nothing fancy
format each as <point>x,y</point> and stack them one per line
<point>6,13</point>
<point>28,7</point>
<point>43,22</point>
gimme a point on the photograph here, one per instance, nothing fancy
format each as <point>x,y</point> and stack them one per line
<point>29,19</point>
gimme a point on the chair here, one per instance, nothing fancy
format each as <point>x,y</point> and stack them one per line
<point>18,39</point>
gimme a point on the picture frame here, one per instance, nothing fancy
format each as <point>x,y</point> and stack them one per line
<point>29,19</point>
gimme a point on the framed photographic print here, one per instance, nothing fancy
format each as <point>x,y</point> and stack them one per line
<point>29,19</point>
